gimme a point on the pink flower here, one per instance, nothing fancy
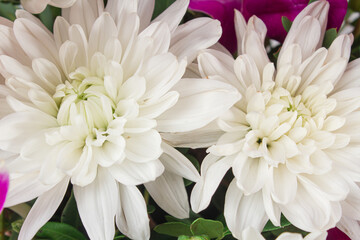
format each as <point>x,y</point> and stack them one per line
<point>270,11</point>
<point>336,234</point>
<point>4,185</point>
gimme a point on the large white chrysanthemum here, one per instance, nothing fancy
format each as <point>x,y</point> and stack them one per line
<point>292,141</point>
<point>88,103</point>
<point>37,6</point>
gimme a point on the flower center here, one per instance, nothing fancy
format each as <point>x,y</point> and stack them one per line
<point>279,119</point>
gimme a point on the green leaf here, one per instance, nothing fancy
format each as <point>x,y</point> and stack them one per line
<point>16,226</point>
<point>329,37</point>
<point>211,228</point>
<point>270,227</point>
<point>354,5</point>
<point>7,10</point>
<point>174,219</point>
<point>48,16</point>
<point>59,231</point>
<point>286,23</point>
<point>160,6</point>
<point>174,229</point>
<point>119,237</point>
<point>311,1</point>
<point>70,214</point>
<point>150,209</point>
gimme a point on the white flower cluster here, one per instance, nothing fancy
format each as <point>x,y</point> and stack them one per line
<point>102,102</point>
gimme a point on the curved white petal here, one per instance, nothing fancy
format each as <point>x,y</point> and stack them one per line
<point>35,6</point>
<point>133,173</point>
<point>25,188</point>
<point>177,163</point>
<point>169,193</point>
<point>194,36</point>
<point>173,14</point>
<point>213,169</point>
<point>200,138</point>
<point>242,211</point>
<point>201,101</point>
<point>145,11</point>
<point>131,216</point>
<point>43,209</point>
<point>97,204</point>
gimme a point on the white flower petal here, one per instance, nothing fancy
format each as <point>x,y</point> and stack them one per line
<point>169,193</point>
<point>43,209</point>
<point>143,147</point>
<point>25,188</point>
<point>132,173</point>
<point>284,185</point>
<point>200,138</point>
<point>242,211</point>
<point>201,101</point>
<point>145,10</point>
<point>175,162</point>
<point>34,40</point>
<point>193,36</point>
<point>251,173</point>
<point>213,169</point>
<point>173,14</point>
<point>131,216</point>
<point>35,6</point>
<point>98,200</point>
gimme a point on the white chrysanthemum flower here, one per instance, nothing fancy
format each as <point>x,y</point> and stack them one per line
<point>251,234</point>
<point>292,140</point>
<point>88,104</point>
<point>37,6</point>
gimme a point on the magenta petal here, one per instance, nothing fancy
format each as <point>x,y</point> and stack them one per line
<point>271,12</point>
<point>337,13</point>
<point>222,10</point>
<point>336,234</point>
<point>4,185</point>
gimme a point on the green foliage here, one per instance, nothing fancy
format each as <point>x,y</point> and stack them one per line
<point>202,229</point>
<point>160,6</point>
<point>70,214</point>
<point>16,225</point>
<point>174,229</point>
<point>59,231</point>
<point>211,228</point>
<point>7,10</point>
<point>49,15</point>
<point>271,227</point>
<point>329,37</point>
<point>286,23</point>
<point>354,5</point>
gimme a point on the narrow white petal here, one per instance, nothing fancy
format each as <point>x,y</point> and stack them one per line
<point>242,211</point>
<point>213,169</point>
<point>43,209</point>
<point>35,41</point>
<point>97,204</point>
<point>177,163</point>
<point>131,216</point>
<point>173,14</point>
<point>193,36</point>
<point>145,11</point>
<point>169,193</point>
